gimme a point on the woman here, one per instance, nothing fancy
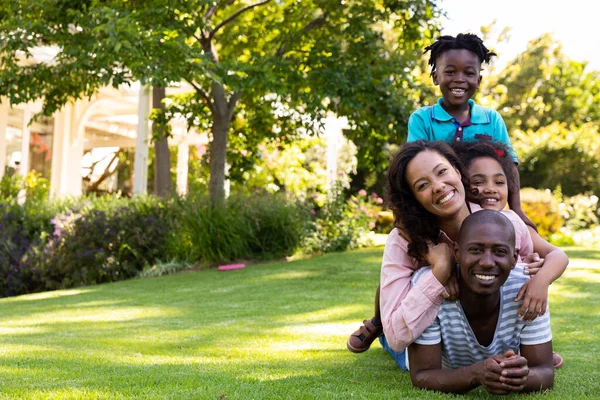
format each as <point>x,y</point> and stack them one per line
<point>426,192</point>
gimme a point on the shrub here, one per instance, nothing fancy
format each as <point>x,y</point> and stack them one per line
<point>103,243</point>
<point>580,212</point>
<point>278,225</point>
<point>555,155</point>
<point>542,208</point>
<point>338,226</point>
<point>207,234</point>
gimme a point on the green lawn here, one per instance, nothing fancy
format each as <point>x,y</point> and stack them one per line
<point>270,331</point>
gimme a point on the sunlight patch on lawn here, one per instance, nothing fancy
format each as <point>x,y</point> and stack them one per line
<point>48,295</point>
<point>29,330</point>
<point>289,275</point>
<point>69,393</point>
<point>91,315</point>
<point>575,263</point>
<point>584,274</point>
<point>326,314</point>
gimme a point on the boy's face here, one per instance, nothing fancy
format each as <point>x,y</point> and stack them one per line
<point>457,74</point>
<point>486,256</point>
<point>488,183</point>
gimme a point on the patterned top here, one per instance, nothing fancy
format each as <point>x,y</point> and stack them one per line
<point>459,344</point>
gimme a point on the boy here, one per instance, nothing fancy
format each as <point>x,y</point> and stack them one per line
<point>479,339</point>
<point>456,69</point>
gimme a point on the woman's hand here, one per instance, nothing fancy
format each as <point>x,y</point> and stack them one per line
<point>533,263</point>
<point>535,295</point>
<point>441,259</point>
<point>452,287</point>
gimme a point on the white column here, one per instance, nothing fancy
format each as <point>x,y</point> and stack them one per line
<point>183,158</point>
<point>140,163</point>
<point>58,137</point>
<point>333,132</point>
<point>65,149</point>
<point>4,109</point>
<point>25,141</point>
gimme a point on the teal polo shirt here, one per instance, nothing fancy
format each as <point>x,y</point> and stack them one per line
<point>434,123</point>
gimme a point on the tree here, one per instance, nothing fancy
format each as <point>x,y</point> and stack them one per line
<point>542,86</point>
<point>276,64</point>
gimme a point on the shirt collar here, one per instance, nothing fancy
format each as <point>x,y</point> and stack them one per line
<point>478,114</point>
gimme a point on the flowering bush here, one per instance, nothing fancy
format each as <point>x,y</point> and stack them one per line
<point>94,245</point>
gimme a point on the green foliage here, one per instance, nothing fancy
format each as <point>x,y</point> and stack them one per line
<point>277,225</point>
<point>102,241</point>
<point>339,225</point>
<point>541,206</point>
<point>208,234</point>
<point>270,66</point>
<point>164,268</point>
<point>555,155</point>
<point>32,187</point>
<point>255,226</point>
<point>542,86</point>
<point>298,169</point>
<point>580,212</point>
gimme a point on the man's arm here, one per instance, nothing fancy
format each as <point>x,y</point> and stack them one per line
<point>426,371</point>
<point>541,369</point>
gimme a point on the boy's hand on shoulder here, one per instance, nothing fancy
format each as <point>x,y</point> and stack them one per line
<point>534,293</point>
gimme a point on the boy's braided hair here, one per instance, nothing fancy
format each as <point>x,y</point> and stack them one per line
<point>467,41</point>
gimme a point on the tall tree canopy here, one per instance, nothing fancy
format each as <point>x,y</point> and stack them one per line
<point>275,64</point>
<point>542,86</point>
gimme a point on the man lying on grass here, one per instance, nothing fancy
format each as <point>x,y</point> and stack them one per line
<point>479,339</point>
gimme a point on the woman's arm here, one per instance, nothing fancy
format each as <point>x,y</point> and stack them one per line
<point>407,310</point>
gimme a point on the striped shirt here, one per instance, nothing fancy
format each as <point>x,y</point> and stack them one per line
<point>459,344</point>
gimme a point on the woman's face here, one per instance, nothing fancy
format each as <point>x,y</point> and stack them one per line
<point>488,183</point>
<point>435,183</point>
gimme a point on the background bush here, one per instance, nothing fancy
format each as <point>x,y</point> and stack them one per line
<point>541,206</point>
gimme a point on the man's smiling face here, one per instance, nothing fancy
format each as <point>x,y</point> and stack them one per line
<point>486,254</point>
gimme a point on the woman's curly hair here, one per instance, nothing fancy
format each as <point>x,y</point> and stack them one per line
<point>409,215</point>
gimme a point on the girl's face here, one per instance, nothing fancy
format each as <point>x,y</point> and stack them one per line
<point>435,184</point>
<point>488,183</point>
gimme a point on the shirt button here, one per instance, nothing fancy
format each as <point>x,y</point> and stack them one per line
<point>458,139</point>
<point>460,128</point>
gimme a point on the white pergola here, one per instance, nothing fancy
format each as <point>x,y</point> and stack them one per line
<point>112,118</point>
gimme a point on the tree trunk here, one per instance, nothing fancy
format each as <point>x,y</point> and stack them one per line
<point>218,159</point>
<point>162,162</point>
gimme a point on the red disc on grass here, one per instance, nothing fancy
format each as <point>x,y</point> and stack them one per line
<point>230,267</point>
